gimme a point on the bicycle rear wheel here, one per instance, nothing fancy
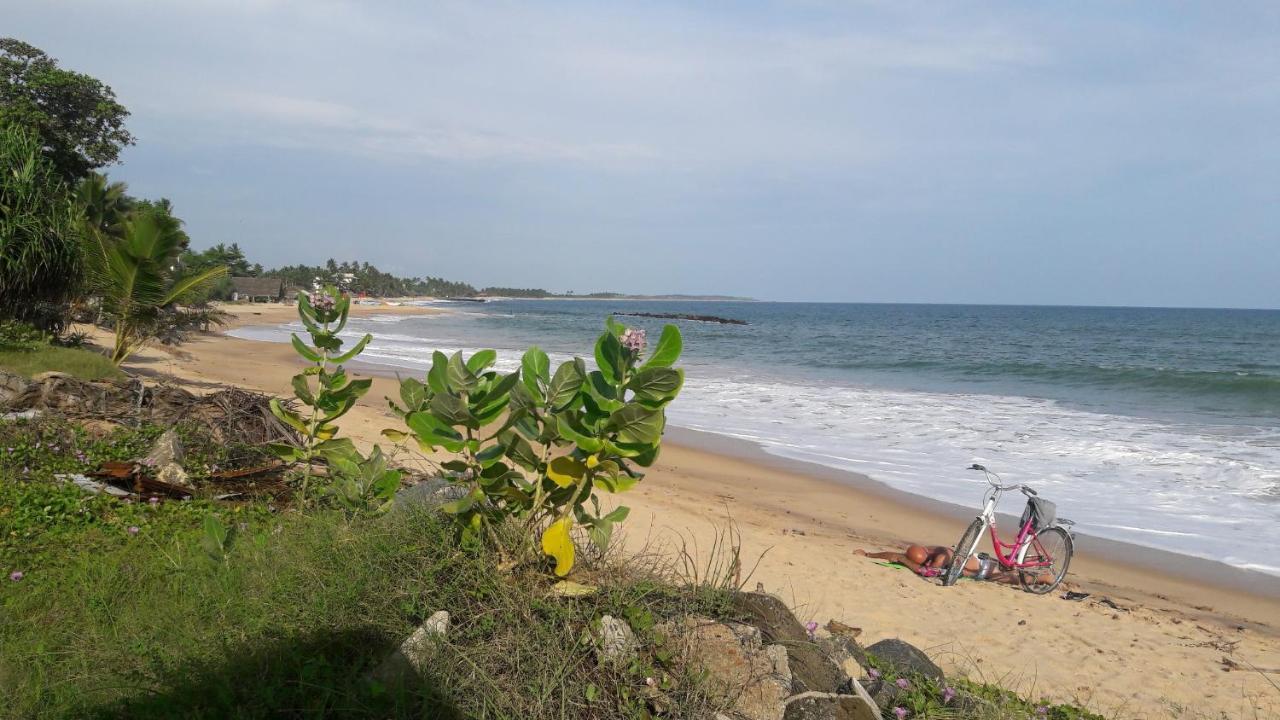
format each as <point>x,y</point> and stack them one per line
<point>1052,547</point>
<point>968,543</point>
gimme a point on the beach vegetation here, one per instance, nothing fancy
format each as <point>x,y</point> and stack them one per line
<point>77,119</point>
<point>537,445</point>
<point>130,611</point>
<point>40,240</point>
<point>136,277</point>
<point>328,393</point>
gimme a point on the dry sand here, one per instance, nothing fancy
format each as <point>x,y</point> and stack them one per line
<point>1158,653</point>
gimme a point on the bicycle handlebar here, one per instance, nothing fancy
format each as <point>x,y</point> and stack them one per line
<point>994,480</point>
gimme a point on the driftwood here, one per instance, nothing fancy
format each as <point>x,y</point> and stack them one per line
<point>679,316</point>
<point>230,415</point>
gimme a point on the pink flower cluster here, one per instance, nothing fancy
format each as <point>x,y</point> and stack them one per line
<point>633,340</point>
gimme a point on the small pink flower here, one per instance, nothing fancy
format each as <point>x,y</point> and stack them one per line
<point>133,529</point>
<point>900,713</point>
<point>874,674</point>
<point>153,500</point>
<point>16,575</point>
<point>1042,710</point>
<point>948,694</point>
<point>903,683</point>
<point>811,627</point>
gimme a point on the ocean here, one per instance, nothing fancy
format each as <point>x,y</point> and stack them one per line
<point>1158,427</point>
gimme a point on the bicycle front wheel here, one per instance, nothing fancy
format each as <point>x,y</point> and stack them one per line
<point>968,543</point>
<point>1051,551</point>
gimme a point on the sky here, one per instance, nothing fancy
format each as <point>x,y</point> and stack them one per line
<point>1094,153</point>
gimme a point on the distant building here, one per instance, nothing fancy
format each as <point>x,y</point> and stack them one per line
<point>257,289</point>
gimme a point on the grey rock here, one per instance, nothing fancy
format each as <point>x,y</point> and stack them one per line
<point>831,706</point>
<point>167,451</point>
<point>23,415</point>
<point>905,658</point>
<point>813,671</point>
<point>618,644</point>
<point>846,652</point>
<point>408,661</point>
<point>11,386</point>
<point>429,494</point>
<point>174,475</point>
<point>91,486</point>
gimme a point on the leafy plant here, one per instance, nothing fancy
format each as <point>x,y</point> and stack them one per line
<point>40,246</point>
<point>556,437</point>
<point>364,485</point>
<point>332,395</point>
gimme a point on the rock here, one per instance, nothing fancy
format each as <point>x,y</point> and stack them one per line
<point>618,643</point>
<point>811,668</point>
<point>50,375</point>
<point>756,679</point>
<point>847,653</point>
<point>905,658</point>
<point>429,493</point>
<point>24,415</point>
<point>166,451</point>
<point>91,486</point>
<point>11,386</point>
<point>771,616</point>
<point>831,706</point>
<point>406,662</point>
<point>174,475</point>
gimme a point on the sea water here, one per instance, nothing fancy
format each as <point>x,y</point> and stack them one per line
<point>1159,427</point>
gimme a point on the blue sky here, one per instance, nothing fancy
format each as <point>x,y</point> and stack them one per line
<point>1073,153</point>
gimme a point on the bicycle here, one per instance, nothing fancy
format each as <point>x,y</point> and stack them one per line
<point>1043,547</point>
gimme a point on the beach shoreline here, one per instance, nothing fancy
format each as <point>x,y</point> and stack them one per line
<point>798,525</point>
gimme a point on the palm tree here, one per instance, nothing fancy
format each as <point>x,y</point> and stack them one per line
<point>137,277</point>
<point>105,205</point>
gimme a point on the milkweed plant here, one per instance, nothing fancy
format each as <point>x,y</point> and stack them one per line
<point>535,445</point>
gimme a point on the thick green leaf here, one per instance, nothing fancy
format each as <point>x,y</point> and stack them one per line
<point>301,389</point>
<point>490,455</point>
<point>656,384</point>
<point>413,393</point>
<point>288,417</point>
<point>302,349</point>
<point>520,401</point>
<point>637,424</point>
<point>438,376</point>
<point>359,348</point>
<point>521,452</point>
<point>565,471</point>
<point>337,448</point>
<point>577,436</point>
<point>395,436</point>
<point>285,452</point>
<point>535,371</point>
<point>459,377</point>
<point>481,361</point>
<point>564,386</point>
<point>430,428</point>
<point>609,357</point>
<point>667,350</point>
<point>451,410</point>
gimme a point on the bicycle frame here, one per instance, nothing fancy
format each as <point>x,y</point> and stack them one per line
<point>1011,556</point>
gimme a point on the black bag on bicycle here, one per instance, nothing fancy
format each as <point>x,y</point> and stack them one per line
<point>1040,512</point>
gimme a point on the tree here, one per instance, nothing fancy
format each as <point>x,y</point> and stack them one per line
<point>40,252</point>
<point>76,116</point>
<point>104,204</point>
<point>138,276</point>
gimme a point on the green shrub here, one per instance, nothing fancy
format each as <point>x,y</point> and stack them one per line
<point>558,437</point>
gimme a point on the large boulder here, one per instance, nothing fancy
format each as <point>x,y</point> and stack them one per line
<point>11,386</point>
<point>903,658</point>
<point>430,494</point>
<point>847,653</point>
<point>812,670</point>
<point>753,677</point>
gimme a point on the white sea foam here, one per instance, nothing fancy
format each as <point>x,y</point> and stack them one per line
<point>1208,491</point>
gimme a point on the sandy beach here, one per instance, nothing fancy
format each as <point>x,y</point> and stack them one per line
<point>1153,649</point>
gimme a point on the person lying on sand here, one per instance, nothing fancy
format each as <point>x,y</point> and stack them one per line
<point>933,561</point>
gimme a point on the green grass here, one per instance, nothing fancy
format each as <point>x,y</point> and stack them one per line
<point>84,364</point>
<point>107,623</point>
